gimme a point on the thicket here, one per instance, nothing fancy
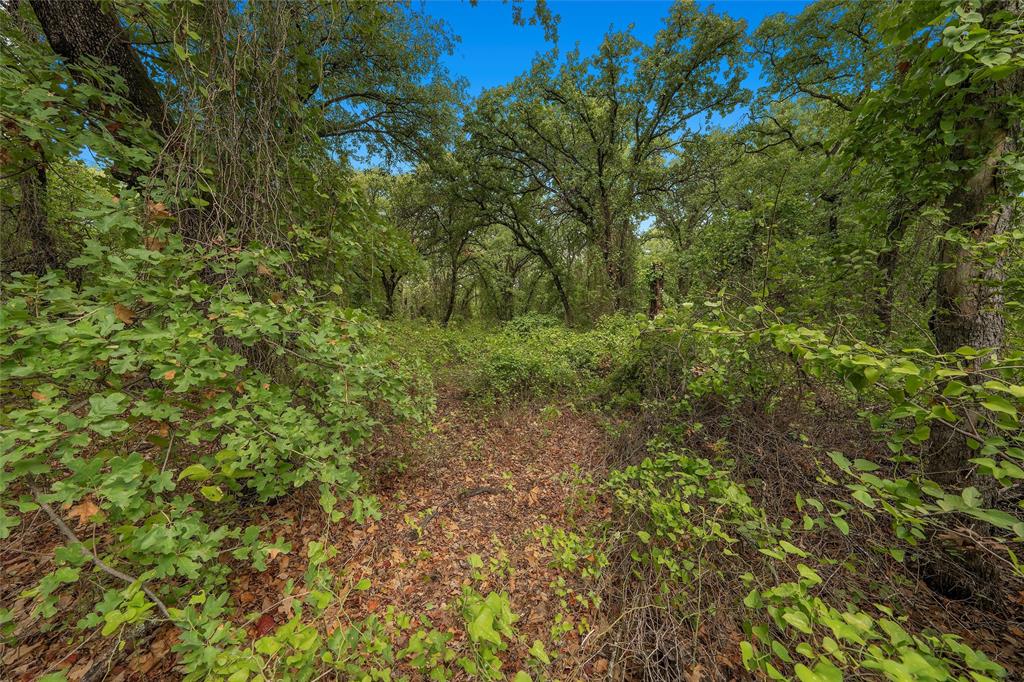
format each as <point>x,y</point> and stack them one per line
<point>805,331</point>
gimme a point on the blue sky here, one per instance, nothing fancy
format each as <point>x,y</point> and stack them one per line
<point>493,51</point>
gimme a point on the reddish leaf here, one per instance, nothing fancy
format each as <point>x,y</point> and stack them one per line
<point>265,625</point>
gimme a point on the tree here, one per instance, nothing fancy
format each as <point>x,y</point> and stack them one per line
<point>591,136</point>
<point>956,109</point>
<point>824,63</point>
<point>83,32</point>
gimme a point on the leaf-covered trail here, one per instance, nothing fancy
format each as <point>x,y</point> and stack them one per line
<point>481,482</point>
<point>478,481</point>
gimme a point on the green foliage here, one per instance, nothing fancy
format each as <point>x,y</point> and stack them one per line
<point>182,343</point>
<point>957,98</point>
<point>685,508</point>
<point>299,650</point>
<point>833,642</point>
<point>489,624</point>
<point>167,388</point>
<point>529,356</point>
<point>532,357</point>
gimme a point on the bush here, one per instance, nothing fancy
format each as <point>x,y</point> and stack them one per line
<point>529,357</point>
<point>173,384</point>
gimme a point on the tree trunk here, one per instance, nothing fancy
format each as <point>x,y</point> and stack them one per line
<point>969,301</point>
<point>564,298</point>
<point>452,290</point>
<point>390,284</point>
<point>657,287</point>
<point>81,29</point>
<point>888,259</point>
<point>38,250</point>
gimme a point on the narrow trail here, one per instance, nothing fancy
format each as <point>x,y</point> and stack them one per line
<point>479,481</point>
<point>484,483</point>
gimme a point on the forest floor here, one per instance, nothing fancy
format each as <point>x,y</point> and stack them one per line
<point>478,481</point>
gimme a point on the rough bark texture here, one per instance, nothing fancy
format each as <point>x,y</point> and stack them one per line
<point>389,280</point>
<point>888,260</point>
<point>969,312</point>
<point>81,30</point>
<point>453,287</point>
<point>657,288</point>
<point>36,249</point>
<point>968,290</point>
<point>969,301</point>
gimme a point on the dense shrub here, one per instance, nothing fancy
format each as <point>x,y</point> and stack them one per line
<point>173,384</point>
<point>682,506</point>
<point>529,356</point>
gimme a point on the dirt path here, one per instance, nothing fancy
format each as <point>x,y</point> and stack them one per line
<point>484,483</point>
<point>477,482</point>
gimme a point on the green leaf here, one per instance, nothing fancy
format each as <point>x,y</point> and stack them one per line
<point>103,406</point>
<point>481,628</point>
<point>790,548</point>
<point>747,653</point>
<point>798,620</point>
<point>999,404</point>
<point>538,652</point>
<point>971,497</point>
<point>195,472</point>
<point>212,493</point>
<point>864,498</point>
<point>956,77</point>
<point>268,646</point>
<point>808,574</point>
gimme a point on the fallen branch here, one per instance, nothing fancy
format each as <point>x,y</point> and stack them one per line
<point>416,534</point>
<point>473,492</point>
<point>70,535</point>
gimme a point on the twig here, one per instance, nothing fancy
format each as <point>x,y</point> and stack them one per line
<point>461,497</point>
<point>70,535</point>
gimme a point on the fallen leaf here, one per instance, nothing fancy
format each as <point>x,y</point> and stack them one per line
<point>154,244</point>
<point>41,397</point>
<point>124,313</point>
<point>265,625</point>
<point>169,374</point>
<point>83,511</point>
<point>79,671</point>
<point>157,210</point>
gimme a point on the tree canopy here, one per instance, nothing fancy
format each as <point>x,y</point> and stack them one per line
<point>699,356</point>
